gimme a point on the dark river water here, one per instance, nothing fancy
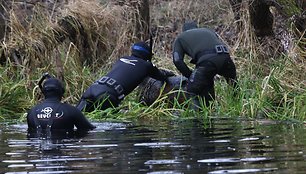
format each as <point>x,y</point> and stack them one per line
<point>223,146</point>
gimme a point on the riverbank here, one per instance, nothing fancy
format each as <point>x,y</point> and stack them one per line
<point>271,75</point>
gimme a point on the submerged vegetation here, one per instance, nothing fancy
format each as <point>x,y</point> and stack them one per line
<point>271,73</point>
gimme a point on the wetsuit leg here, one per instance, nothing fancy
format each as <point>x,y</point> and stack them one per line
<point>82,105</point>
<point>228,71</point>
<point>201,82</point>
<point>107,100</point>
<point>98,97</point>
<point>86,103</point>
<point>102,102</point>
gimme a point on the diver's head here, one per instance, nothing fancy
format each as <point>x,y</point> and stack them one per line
<point>52,87</point>
<point>142,50</point>
<point>189,25</point>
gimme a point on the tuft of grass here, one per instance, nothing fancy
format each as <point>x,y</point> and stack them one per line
<point>14,96</point>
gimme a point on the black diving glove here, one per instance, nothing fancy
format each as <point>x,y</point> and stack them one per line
<point>167,73</point>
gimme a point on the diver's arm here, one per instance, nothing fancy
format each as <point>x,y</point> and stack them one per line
<point>180,65</point>
<point>178,59</point>
<point>158,74</point>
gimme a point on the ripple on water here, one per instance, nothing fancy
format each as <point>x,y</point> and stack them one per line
<point>235,160</point>
<point>242,171</point>
<point>42,172</point>
<point>165,172</point>
<point>151,162</point>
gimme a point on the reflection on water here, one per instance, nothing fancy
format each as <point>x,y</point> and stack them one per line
<point>226,146</point>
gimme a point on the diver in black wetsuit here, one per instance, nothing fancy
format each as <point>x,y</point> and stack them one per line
<point>209,55</point>
<point>52,114</point>
<point>126,74</point>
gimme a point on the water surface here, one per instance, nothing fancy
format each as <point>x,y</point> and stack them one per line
<point>224,146</point>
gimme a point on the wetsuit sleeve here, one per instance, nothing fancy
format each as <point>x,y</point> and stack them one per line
<point>82,122</point>
<point>157,74</point>
<point>178,58</point>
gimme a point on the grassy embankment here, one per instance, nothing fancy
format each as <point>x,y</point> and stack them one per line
<point>272,85</point>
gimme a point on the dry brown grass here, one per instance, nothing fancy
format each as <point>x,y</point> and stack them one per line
<point>109,31</point>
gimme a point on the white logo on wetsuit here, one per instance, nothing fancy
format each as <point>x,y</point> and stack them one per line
<point>58,115</point>
<point>128,61</point>
<point>46,113</point>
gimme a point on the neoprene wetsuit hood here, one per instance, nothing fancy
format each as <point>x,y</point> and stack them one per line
<point>189,26</point>
<point>142,50</point>
<point>53,88</point>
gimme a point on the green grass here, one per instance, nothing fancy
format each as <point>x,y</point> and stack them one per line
<point>264,97</point>
<point>15,97</point>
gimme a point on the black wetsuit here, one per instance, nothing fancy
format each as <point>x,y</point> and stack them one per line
<point>210,56</point>
<point>60,116</point>
<point>126,74</point>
